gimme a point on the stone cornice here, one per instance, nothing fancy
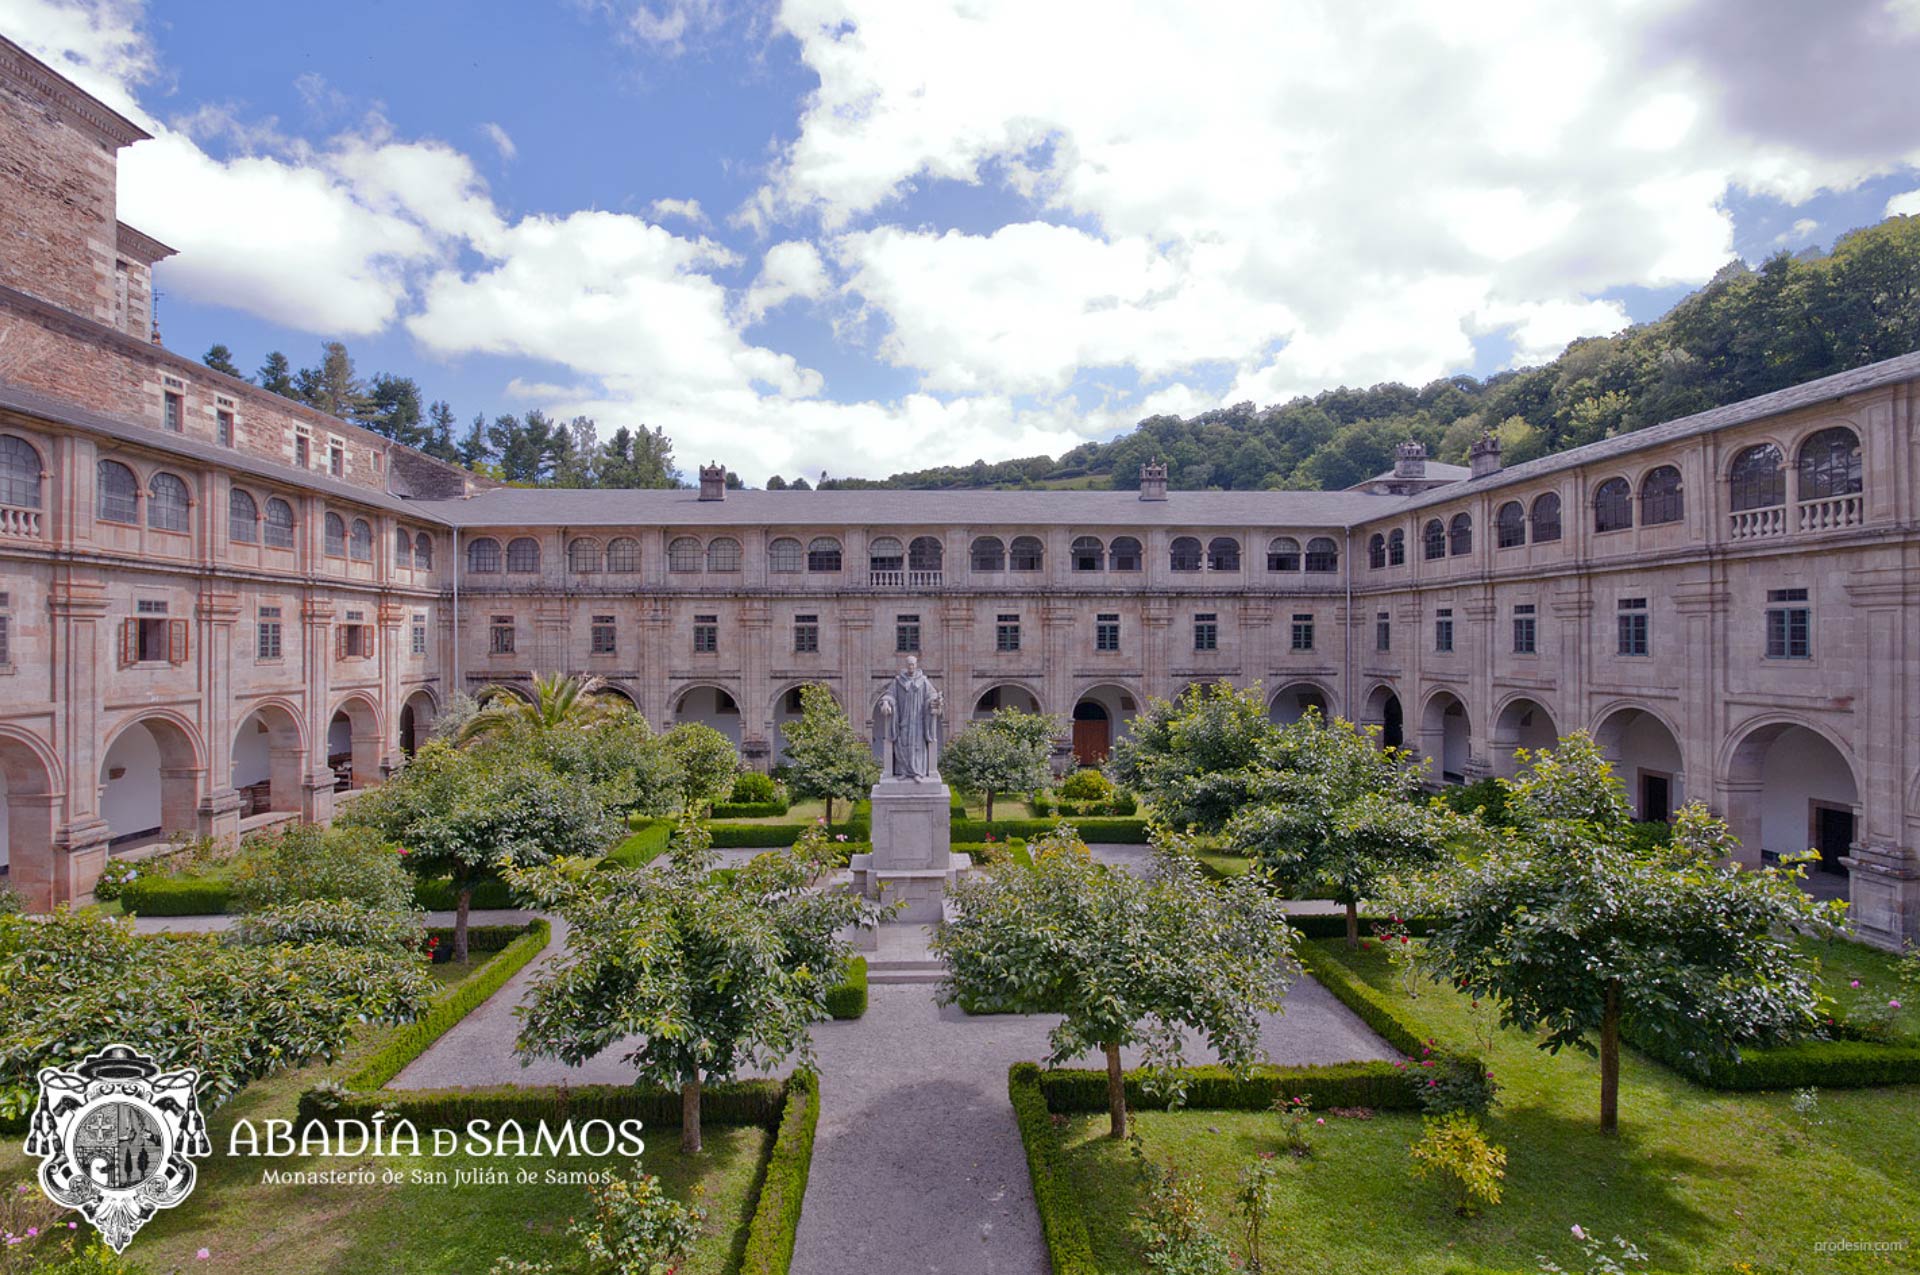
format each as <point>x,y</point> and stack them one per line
<point>141,246</point>
<point>55,91</point>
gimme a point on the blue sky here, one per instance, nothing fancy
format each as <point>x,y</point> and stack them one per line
<point>931,230</point>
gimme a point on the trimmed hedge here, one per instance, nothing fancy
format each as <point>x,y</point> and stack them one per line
<point>174,896</point>
<point>757,1102</point>
<point>1333,925</point>
<point>480,938</point>
<point>1829,1064</point>
<point>748,809</point>
<point>437,895</point>
<point>649,840</point>
<point>1061,1218</point>
<point>1380,1085</point>
<point>849,999</point>
<point>1111,831</point>
<point>449,1008</point>
<point>783,1184</point>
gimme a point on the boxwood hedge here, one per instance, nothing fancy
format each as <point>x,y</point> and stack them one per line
<point>776,1215</point>
<point>174,896</point>
<point>1061,1219</point>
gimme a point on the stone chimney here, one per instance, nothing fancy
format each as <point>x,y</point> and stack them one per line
<point>1410,460</point>
<point>1484,456</point>
<point>713,482</point>
<point>1153,481</point>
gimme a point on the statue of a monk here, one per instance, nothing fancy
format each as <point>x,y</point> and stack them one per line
<point>909,712</point>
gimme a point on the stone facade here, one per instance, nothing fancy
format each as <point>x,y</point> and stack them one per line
<point>221,609</point>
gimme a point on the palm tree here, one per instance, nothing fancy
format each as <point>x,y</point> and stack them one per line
<point>558,700</point>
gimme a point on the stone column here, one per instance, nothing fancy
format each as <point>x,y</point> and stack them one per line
<point>957,616</point>
<point>219,807</point>
<point>84,650</point>
<point>316,650</point>
<point>755,621</point>
<point>1478,615</point>
<point>1885,875</point>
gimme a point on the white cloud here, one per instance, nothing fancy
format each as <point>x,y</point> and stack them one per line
<point>790,270</point>
<point>502,141</point>
<point>687,210</point>
<point>1907,205</point>
<point>1800,230</point>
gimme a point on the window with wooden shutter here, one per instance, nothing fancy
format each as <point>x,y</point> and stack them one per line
<point>176,641</point>
<point>130,641</point>
<point>340,642</point>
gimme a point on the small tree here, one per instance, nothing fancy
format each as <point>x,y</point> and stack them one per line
<point>1126,960</point>
<point>1007,752</point>
<point>1338,813</point>
<point>712,971</point>
<point>559,702</point>
<point>706,760</point>
<point>466,813</point>
<point>1574,927</point>
<point>825,758</point>
<point>1198,759</point>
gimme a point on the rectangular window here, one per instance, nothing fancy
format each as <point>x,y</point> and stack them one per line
<point>337,460</point>
<point>6,637</point>
<point>1443,629</point>
<point>267,643</point>
<point>1525,631</point>
<point>354,639</point>
<point>806,634</point>
<point>302,453</point>
<point>500,639</point>
<point>224,419</point>
<point>906,633</point>
<point>1006,633</point>
<point>602,638</point>
<point>150,637</point>
<point>176,412</point>
<point>419,635</point>
<point>1382,631</point>
<point>1106,632</point>
<point>1789,625</point>
<point>1633,626</point>
<point>1302,633</point>
<point>706,634</point>
<point>1206,631</point>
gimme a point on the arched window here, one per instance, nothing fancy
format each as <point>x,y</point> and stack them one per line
<point>243,518</point>
<point>1460,534</point>
<point>1546,518</point>
<point>1376,551</point>
<point>19,473</point>
<point>279,524</point>
<point>1223,554</point>
<point>1088,553</point>
<point>926,554</point>
<point>683,554</point>
<point>1124,554</point>
<point>823,554</point>
<point>167,504</point>
<point>1323,555</point>
<point>1025,554</point>
<point>884,553</point>
<point>523,555</point>
<point>1613,505</point>
<point>723,554</point>
<point>784,556</point>
<point>1830,464</point>
<point>1756,478</point>
<point>583,556</point>
<point>1397,548</point>
<point>483,556</point>
<point>1661,499</point>
<point>1184,553</point>
<point>402,547</point>
<point>1510,526</point>
<point>360,542</point>
<point>336,536</point>
<point>1433,540</point>
<point>423,551</point>
<point>116,493</point>
<point>623,555</point>
<point>989,554</point>
<point>1283,554</point>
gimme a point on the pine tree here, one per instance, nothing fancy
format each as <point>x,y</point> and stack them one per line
<point>473,448</point>
<point>276,376</point>
<point>439,433</point>
<point>393,410</point>
<point>332,387</point>
<point>220,359</point>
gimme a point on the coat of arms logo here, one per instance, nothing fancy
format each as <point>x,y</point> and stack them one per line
<point>113,1135</point>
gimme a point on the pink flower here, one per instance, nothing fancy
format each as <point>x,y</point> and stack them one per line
<point>32,1232</point>
<point>1578,1234</point>
<point>1893,1004</point>
<point>202,1255</point>
<point>1321,1120</point>
<point>1854,983</point>
<point>840,836</point>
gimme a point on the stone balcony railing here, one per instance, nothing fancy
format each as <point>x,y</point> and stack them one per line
<point>906,579</point>
<point>1831,514</point>
<point>1755,524</point>
<point>17,523</point>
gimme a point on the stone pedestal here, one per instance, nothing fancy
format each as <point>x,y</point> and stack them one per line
<point>1885,883</point>
<point>911,858</point>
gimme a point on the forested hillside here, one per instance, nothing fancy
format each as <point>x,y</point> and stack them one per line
<point>1745,333</point>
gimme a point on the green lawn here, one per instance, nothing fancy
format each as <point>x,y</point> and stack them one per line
<point>1703,1181</point>
<point>414,1226</point>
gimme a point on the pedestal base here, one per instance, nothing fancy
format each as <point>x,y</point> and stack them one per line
<point>1886,896</point>
<point>911,858</point>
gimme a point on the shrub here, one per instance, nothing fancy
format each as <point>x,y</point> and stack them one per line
<point>1454,1149</point>
<point>649,840</point>
<point>752,786</point>
<point>329,921</point>
<point>1111,831</point>
<point>849,999</point>
<point>11,903</point>
<point>305,861</point>
<point>747,810</point>
<point>175,896</point>
<point>783,1187</point>
<point>1296,1123</point>
<point>636,1227</point>
<point>114,878</point>
<point>1061,1219</point>
<point>437,895</point>
<point>1172,1226</point>
<point>1455,1083</point>
<point>1381,1085</point>
<point>1086,785</point>
<point>1487,798</point>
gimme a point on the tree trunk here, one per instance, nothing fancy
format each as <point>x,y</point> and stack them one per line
<point>1116,1094</point>
<point>1610,1060</point>
<point>690,1115</point>
<point>829,814</point>
<point>463,902</point>
<point>1353,923</point>
<point>989,805</point>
